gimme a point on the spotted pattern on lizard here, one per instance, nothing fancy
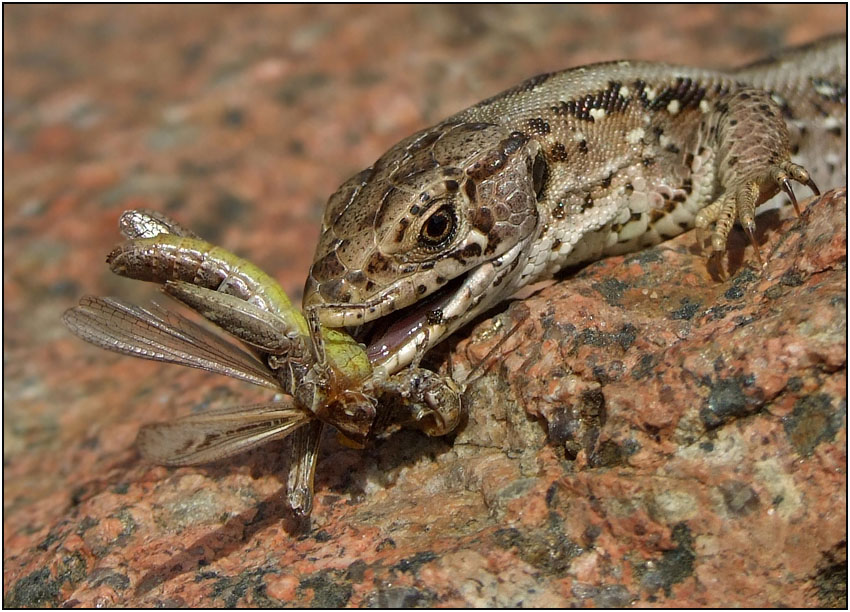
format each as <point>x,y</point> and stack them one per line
<point>561,170</point>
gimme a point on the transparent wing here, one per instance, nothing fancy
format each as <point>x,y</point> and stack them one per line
<point>162,335</point>
<point>218,434</point>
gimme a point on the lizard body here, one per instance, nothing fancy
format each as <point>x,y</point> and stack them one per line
<point>564,169</point>
<point>561,170</point>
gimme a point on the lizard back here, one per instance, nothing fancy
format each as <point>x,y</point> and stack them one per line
<point>566,168</point>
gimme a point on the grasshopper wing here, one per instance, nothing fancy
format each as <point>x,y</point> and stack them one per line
<point>162,335</point>
<point>218,434</point>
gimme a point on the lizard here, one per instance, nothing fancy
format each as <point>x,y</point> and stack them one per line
<point>561,170</point>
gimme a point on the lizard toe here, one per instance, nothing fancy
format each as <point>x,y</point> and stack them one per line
<point>783,173</point>
<point>715,221</point>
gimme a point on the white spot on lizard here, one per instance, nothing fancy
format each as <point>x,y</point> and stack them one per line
<point>825,89</point>
<point>831,123</point>
<point>635,135</point>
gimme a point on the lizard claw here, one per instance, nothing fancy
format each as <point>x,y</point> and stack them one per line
<point>751,235</point>
<point>811,185</point>
<point>786,187</point>
<point>784,173</point>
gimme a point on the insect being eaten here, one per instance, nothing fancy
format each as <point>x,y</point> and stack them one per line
<point>325,374</point>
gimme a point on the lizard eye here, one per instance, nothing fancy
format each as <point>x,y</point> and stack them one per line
<point>439,228</point>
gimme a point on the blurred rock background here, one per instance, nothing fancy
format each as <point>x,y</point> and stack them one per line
<point>240,122</point>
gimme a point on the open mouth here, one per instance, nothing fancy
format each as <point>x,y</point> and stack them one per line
<point>386,335</point>
<point>398,338</point>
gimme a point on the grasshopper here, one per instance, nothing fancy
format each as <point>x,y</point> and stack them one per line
<point>325,373</point>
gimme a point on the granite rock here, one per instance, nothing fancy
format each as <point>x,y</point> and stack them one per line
<point>651,433</point>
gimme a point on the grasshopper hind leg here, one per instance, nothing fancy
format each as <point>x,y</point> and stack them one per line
<point>303,451</point>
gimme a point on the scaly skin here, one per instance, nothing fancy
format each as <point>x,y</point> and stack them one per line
<point>562,170</point>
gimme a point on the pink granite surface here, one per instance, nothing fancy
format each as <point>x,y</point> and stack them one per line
<point>631,446</point>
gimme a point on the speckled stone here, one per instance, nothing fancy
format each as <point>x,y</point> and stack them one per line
<point>700,425</point>
<point>649,435</point>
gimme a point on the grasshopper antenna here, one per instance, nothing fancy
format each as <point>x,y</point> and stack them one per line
<point>480,368</point>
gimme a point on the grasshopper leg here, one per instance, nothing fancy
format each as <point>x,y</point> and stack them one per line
<point>303,451</point>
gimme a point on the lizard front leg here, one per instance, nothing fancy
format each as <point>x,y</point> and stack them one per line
<point>753,162</point>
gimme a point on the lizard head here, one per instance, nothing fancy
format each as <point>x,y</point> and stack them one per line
<point>416,244</point>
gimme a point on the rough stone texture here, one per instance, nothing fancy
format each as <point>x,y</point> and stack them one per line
<point>702,424</point>
<point>650,434</point>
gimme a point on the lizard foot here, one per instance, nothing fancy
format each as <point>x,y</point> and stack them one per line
<point>741,203</point>
<point>754,164</point>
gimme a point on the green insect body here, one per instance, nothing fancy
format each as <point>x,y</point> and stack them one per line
<point>326,372</point>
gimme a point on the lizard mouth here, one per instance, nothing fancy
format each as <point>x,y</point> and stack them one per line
<point>397,339</point>
<point>388,335</point>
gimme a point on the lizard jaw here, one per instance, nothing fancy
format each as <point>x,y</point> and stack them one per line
<point>410,332</point>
